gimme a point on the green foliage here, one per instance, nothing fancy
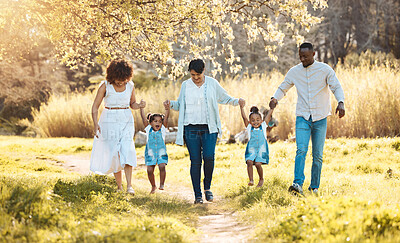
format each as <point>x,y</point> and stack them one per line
<point>271,194</point>
<point>84,188</point>
<point>149,31</point>
<point>334,220</point>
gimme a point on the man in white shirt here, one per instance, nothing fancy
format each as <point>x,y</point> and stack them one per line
<point>313,80</point>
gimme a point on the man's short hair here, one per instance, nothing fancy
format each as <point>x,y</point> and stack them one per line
<point>307,45</point>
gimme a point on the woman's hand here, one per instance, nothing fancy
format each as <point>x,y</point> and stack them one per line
<point>96,128</point>
<point>142,104</point>
<point>242,102</point>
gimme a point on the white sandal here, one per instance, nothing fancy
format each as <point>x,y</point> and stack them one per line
<point>130,190</point>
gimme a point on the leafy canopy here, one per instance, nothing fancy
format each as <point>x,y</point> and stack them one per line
<point>167,33</point>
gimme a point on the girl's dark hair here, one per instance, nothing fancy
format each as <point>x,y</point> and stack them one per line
<point>151,117</point>
<point>254,110</point>
<point>196,65</point>
<point>119,69</point>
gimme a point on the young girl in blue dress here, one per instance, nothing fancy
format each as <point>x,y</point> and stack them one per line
<point>156,151</point>
<point>257,148</point>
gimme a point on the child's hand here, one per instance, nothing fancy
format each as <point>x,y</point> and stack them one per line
<point>242,102</point>
<point>142,104</point>
<point>273,103</point>
<point>167,104</point>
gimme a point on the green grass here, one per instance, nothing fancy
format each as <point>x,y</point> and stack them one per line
<point>358,200</point>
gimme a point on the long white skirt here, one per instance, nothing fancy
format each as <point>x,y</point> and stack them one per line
<point>114,148</point>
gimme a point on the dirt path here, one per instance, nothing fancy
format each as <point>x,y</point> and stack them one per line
<point>216,227</point>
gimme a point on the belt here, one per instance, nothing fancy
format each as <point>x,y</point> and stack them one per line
<point>116,108</point>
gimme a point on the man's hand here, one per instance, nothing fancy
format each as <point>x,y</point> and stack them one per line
<point>242,102</point>
<point>273,103</point>
<point>340,109</point>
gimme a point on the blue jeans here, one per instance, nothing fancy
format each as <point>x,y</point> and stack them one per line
<point>201,146</point>
<point>304,130</point>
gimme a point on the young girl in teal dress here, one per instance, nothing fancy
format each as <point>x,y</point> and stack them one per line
<point>156,151</point>
<point>257,152</point>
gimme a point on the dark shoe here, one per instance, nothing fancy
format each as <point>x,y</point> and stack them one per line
<point>296,189</point>
<point>198,200</point>
<point>209,196</point>
<point>314,191</point>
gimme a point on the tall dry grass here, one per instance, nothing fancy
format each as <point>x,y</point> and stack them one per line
<point>67,115</point>
<point>372,105</point>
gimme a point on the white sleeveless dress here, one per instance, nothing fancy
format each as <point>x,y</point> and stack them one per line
<point>114,148</point>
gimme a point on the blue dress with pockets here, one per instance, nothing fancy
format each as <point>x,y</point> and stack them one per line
<point>156,151</point>
<point>257,147</point>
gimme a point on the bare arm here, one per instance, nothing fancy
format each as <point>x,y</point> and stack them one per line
<point>268,116</point>
<point>167,108</point>
<point>144,119</point>
<point>133,103</point>
<point>242,103</point>
<point>95,108</point>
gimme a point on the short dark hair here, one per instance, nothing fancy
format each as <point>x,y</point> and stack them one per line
<point>196,65</point>
<point>119,69</point>
<point>307,45</point>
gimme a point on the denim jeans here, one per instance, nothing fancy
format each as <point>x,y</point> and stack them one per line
<point>304,130</point>
<point>201,146</point>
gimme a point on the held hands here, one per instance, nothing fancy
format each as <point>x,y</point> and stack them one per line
<point>142,104</point>
<point>167,104</point>
<point>242,102</point>
<point>340,109</point>
<point>273,103</point>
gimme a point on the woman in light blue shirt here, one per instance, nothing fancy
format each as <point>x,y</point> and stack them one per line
<point>199,123</point>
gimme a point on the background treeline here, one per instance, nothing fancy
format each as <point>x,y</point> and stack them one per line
<point>358,34</point>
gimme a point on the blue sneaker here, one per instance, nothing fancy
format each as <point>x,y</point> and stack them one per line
<point>198,200</point>
<point>209,196</point>
<point>296,189</point>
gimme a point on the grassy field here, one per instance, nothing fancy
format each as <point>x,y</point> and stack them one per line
<point>358,202</point>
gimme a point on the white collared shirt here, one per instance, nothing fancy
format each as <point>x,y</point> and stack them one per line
<point>312,83</point>
<point>195,104</point>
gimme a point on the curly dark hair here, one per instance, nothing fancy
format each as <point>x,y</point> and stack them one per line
<point>119,69</point>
